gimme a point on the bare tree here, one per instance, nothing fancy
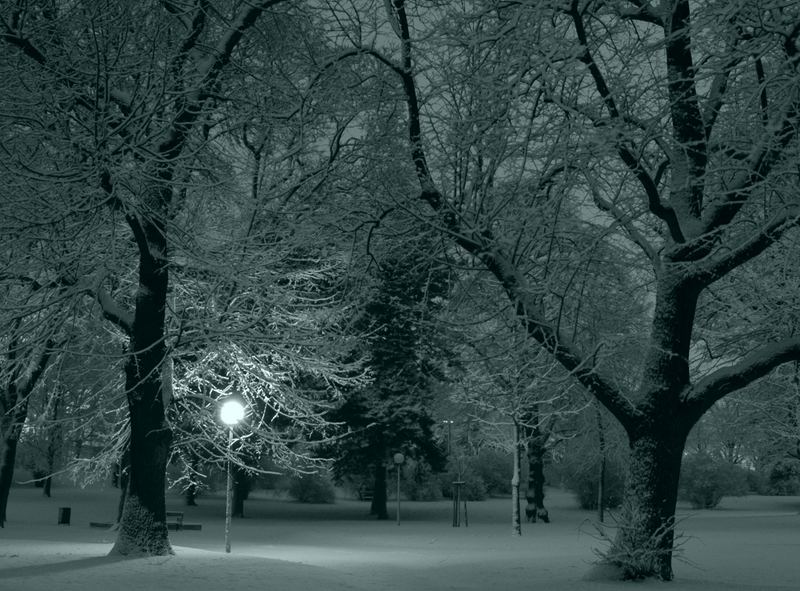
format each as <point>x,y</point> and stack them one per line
<point>682,128</point>
<point>132,123</point>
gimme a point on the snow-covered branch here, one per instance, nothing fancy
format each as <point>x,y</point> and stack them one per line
<point>702,395</point>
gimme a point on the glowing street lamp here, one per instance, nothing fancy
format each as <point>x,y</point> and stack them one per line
<point>231,413</point>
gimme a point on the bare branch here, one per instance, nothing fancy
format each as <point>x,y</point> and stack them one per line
<point>717,267</point>
<point>628,156</point>
<point>642,11</point>
<point>716,95</point>
<point>688,128</point>
<point>481,245</point>
<point>627,224</point>
<point>113,311</point>
<point>196,29</point>
<point>549,338</point>
<point>763,156</point>
<point>757,364</point>
<point>13,37</point>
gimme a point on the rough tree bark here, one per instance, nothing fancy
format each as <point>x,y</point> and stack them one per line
<point>535,509</point>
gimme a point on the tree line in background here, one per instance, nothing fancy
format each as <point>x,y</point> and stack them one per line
<point>563,229</point>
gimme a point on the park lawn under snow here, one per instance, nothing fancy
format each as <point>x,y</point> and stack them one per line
<point>749,543</point>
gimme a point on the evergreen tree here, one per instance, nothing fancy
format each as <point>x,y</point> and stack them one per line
<point>393,413</point>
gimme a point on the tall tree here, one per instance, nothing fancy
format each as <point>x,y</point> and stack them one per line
<point>393,414</point>
<point>131,123</point>
<point>681,122</point>
<point>22,366</point>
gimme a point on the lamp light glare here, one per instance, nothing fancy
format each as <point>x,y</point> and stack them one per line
<point>231,412</point>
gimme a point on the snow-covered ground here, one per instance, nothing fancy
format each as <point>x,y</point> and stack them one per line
<point>748,544</point>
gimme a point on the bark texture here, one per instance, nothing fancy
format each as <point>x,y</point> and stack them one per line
<point>535,509</point>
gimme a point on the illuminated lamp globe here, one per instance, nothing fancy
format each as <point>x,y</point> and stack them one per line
<point>232,412</point>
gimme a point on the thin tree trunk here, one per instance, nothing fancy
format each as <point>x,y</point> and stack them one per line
<point>241,490</point>
<point>601,476</point>
<point>378,506</point>
<point>516,526</point>
<point>535,509</point>
<point>53,442</point>
<point>190,495</point>
<point>13,414</point>
<point>123,470</point>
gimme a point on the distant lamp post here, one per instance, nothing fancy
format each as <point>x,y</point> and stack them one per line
<point>398,461</point>
<point>231,413</point>
<point>449,424</point>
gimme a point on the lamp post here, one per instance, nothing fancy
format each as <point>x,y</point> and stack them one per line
<point>231,412</point>
<point>398,461</point>
<point>449,424</point>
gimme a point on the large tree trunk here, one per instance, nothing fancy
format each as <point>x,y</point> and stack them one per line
<point>143,528</point>
<point>657,436</point>
<point>378,506</point>
<point>644,543</point>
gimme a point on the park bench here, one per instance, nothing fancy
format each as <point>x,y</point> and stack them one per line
<point>174,522</point>
<point>365,493</point>
<point>177,522</point>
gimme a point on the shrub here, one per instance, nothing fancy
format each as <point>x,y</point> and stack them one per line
<point>311,488</point>
<point>420,483</point>
<point>636,556</point>
<point>473,489</point>
<point>705,480</point>
<point>784,478</point>
<point>757,482</point>
<point>584,480</point>
<point>494,468</point>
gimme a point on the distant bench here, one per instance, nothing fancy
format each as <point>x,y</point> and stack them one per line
<point>174,522</point>
<point>178,521</point>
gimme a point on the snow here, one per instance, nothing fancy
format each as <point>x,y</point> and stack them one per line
<point>748,544</point>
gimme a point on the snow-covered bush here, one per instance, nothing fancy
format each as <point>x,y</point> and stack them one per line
<point>784,478</point>
<point>705,480</point>
<point>311,488</point>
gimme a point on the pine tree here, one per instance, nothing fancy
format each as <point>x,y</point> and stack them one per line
<point>393,413</point>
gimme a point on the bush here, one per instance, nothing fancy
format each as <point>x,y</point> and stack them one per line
<point>587,487</point>
<point>784,478</point>
<point>473,489</point>
<point>584,480</point>
<point>757,482</point>
<point>705,480</point>
<point>494,468</point>
<point>311,488</point>
<point>420,483</point>
<point>634,555</point>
